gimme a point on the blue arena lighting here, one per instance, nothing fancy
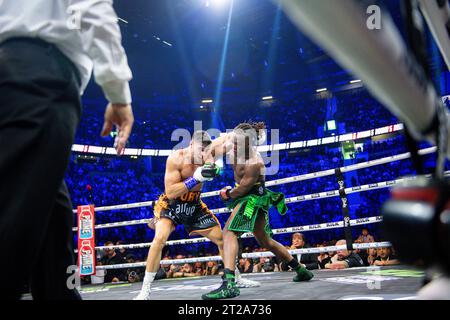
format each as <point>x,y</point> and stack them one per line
<point>223,61</point>
<point>270,62</point>
<point>216,3</point>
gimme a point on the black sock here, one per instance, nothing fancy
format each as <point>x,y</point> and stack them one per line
<point>294,264</point>
<point>228,275</point>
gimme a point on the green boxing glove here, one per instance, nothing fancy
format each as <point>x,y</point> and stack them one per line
<point>207,172</point>
<point>210,170</point>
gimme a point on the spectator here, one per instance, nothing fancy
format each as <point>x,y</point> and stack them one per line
<point>174,268</point>
<point>133,274</point>
<point>211,269</point>
<point>308,260</point>
<point>161,274</point>
<point>265,264</point>
<point>378,252</point>
<point>198,268</point>
<point>165,267</point>
<point>246,265</point>
<point>329,255</point>
<point>361,253</point>
<point>365,237</point>
<point>344,259</point>
<point>323,258</point>
<point>112,257</point>
<point>185,271</point>
<point>123,252</point>
<point>386,258</point>
<point>371,256</point>
<point>270,266</point>
<point>241,264</point>
<point>257,265</point>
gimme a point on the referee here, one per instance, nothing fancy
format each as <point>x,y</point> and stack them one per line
<point>48,50</point>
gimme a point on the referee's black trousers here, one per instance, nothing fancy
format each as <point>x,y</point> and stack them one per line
<point>39,111</point>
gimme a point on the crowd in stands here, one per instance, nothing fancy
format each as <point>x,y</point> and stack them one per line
<point>296,119</point>
<point>361,111</point>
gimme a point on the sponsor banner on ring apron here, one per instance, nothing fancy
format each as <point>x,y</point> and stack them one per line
<point>86,240</point>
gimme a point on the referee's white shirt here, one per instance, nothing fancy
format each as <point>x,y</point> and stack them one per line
<point>86,31</point>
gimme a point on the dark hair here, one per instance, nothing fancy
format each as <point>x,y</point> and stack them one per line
<point>258,127</point>
<point>201,136</point>
<point>301,235</point>
<point>107,243</point>
<point>248,125</point>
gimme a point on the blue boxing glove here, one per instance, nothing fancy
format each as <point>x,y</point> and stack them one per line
<point>207,172</point>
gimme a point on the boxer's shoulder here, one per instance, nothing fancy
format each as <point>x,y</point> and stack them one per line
<point>176,159</point>
<point>177,154</point>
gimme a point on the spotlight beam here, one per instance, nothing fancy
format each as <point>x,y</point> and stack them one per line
<point>223,61</point>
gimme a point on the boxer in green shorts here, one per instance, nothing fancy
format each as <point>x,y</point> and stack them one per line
<point>250,201</point>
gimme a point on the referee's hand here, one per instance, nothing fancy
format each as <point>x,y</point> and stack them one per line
<point>121,116</point>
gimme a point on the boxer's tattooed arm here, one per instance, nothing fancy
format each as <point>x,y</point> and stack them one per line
<point>173,182</point>
<point>251,177</point>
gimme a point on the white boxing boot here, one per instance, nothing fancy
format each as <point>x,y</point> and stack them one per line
<point>146,286</point>
<point>244,283</point>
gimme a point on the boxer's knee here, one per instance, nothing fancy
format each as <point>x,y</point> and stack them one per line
<point>163,229</point>
<point>159,240</point>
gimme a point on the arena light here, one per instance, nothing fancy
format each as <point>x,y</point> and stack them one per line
<point>207,101</point>
<point>216,3</point>
<point>321,90</point>
<point>331,125</point>
<point>215,121</point>
<point>267,98</point>
<point>355,81</point>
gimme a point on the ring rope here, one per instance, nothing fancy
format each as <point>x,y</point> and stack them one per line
<point>296,199</point>
<point>298,178</point>
<point>264,148</point>
<point>311,227</point>
<point>251,255</point>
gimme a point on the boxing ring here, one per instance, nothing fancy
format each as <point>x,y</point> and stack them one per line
<point>394,282</point>
<point>405,93</point>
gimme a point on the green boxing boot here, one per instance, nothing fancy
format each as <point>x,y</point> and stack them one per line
<point>303,274</point>
<point>227,290</point>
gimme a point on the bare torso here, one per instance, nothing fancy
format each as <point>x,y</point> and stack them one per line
<point>185,167</point>
<point>240,169</point>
